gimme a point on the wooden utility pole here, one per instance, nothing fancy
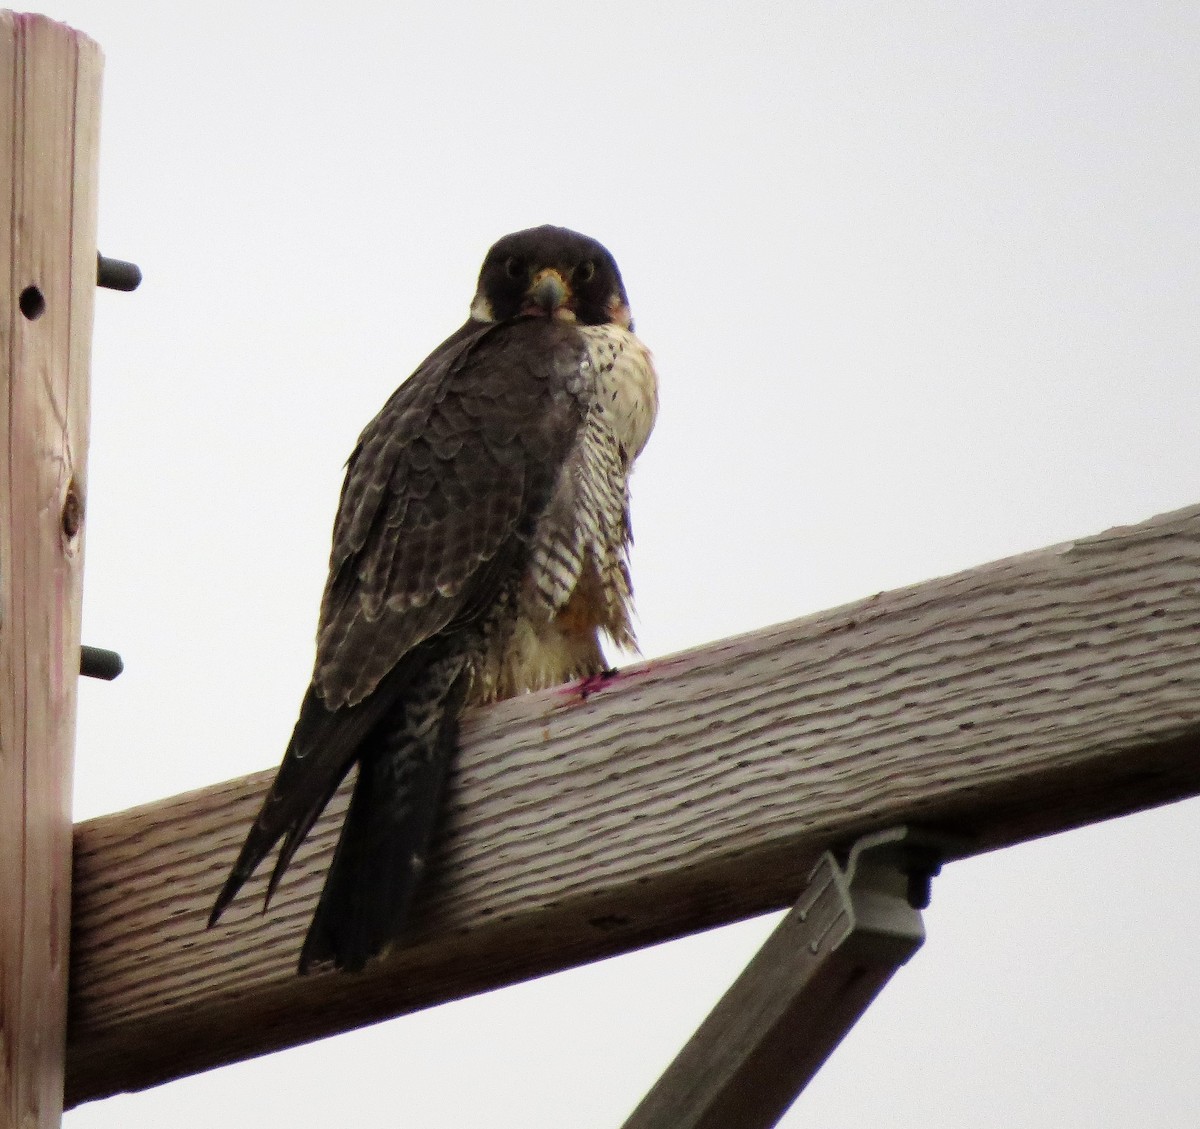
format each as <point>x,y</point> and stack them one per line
<point>49,133</point>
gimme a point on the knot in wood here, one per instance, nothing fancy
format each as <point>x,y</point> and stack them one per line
<point>72,511</point>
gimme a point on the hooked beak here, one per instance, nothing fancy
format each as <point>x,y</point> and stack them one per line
<point>547,295</point>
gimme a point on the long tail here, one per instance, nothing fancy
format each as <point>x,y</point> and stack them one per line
<point>325,744</point>
<point>381,854</point>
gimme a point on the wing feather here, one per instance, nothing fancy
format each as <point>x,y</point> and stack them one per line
<point>461,459</point>
<point>439,504</point>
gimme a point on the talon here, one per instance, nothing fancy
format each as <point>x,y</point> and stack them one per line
<point>595,682</point>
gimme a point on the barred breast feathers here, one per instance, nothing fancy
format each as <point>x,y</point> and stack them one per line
<point>577,583</point>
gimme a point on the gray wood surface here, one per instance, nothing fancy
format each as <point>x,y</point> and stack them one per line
<point>1018,699</point>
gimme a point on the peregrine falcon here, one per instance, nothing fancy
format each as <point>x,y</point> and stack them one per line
<point>480,549</point>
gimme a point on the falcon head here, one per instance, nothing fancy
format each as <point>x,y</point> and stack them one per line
<point>551,272</point>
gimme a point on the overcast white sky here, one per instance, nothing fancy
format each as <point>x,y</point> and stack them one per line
<point>921,281</point>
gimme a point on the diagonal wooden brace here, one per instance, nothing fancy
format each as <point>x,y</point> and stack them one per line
<point>848,933</point>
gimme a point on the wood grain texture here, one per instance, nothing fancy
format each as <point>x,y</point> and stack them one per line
<point>49,122</point>
<point>1021,698</point>
<point>797,999</point>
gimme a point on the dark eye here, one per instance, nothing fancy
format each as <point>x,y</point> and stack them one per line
<point>514,267</point>
<point>586,271</point>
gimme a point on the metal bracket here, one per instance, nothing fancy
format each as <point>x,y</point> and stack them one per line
<point>916,853</point>
<point>852,927</point>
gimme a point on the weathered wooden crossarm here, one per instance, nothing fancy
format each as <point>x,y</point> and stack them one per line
<point>1018,699</point>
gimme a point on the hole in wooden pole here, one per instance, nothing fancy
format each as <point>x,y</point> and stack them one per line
<point>32,304</point>
<point>72,512</point>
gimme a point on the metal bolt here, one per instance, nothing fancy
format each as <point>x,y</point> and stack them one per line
<point>96,662</point>
<point>116,274</point>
